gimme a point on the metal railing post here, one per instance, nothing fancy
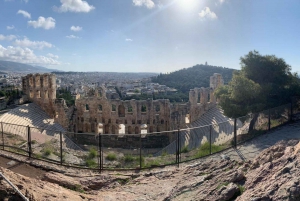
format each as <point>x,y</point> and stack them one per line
<point>269,120</point>
<point>210,138</point>
<point>235,133</point>
<point>141,151</point>
<point>178,148</point>
<point>2,135</point>
<point>101,152</point>
<point>29,141</point>
<point>291,113</point>
<point>61,150</point>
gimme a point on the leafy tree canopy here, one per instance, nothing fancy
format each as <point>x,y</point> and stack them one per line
<point>264,81</point>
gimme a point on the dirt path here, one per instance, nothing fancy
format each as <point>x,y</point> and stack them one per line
<point>22,168</point>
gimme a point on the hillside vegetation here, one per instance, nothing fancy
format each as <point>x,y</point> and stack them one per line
<point>188,78</point>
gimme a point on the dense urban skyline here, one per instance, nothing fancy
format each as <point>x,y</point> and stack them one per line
<point>146,35</point>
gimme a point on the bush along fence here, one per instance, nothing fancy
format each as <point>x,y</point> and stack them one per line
<point>139,151</point>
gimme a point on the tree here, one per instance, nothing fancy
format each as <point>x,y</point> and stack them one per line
<point>263,82</point>
<point>240,96</point>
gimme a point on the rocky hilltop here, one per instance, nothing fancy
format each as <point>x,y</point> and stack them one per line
<point>273,175</point>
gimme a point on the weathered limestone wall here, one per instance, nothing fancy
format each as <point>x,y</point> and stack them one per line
<point>41,89</point>
<point>117,116</point>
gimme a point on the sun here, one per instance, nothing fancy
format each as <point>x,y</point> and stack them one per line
<point>187,4</point>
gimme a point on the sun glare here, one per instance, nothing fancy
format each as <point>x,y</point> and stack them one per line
<point>187,4</point>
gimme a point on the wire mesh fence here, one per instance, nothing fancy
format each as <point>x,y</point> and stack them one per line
<point>137,151</point>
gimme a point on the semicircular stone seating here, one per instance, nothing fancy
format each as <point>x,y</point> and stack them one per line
<point>16,121</point>
<point>199,131</point>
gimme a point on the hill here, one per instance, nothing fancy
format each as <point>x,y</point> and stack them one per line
<point>188,78</point>
<point>9,66</point>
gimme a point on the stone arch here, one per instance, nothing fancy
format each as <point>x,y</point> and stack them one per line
<point>144,129</point>
<point>106,129</point>
<point>100,128</point>
<point>113,129</point>
<point>86,127</point>
<point>151,129</point>
<point>158,128</point>
<point>121,128</point>
<point>121,111</point>
<point>129,130</point>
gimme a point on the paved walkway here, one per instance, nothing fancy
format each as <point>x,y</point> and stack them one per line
<point>250,149</point>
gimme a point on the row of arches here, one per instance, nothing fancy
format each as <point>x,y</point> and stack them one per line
<point>117,128</point>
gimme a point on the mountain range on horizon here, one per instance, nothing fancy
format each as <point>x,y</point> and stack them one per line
<point>10,66</point>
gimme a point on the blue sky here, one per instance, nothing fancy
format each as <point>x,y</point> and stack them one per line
<point>146,35</point>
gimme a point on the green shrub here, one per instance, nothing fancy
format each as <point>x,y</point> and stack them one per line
<point>111,157</point>
<point>92,153</point>
<point>129,158</point>
<point>47,151</point>
<point>90,163</point>
<point>184,149</point>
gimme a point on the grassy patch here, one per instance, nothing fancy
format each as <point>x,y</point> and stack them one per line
<point>77,188</point>
<point>91,163</point>
<point>123,181</point>
<point>92,153</point>
<point>185,149</point>
<point>204,150</point>
<point>222,184</point>
<point>111,157</point>
<point>130,158</point>
<point>47,151</point>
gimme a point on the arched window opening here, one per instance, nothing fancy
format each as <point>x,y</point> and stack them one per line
<point>113,108</point>
<point>143,108</point>
<point>129,130</point>
<point>187,118</point>
<point>121,111</point>
<point>121,129</point>
<point>100,128</point>
<point>100,107</point>
<point>157,108</point>
<point>87,107</point>
<point>113,129</point>
<point>129,109</point>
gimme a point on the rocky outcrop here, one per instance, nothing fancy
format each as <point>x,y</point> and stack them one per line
<point>273,175</point>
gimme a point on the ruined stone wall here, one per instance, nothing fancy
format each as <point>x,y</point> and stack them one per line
<point>117,116</point>
<point>41,89</point>
<point>132,114</point>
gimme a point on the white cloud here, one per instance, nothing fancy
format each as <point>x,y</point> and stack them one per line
<point>33,44</point>
<point>207,14</point>
<point>148,3</point>
<point>10,27</point>
<point>8,37</point>
<point>128,40</point>
<point>76,28</point>
<point>24,13</point>
<point>52,56</point>
<point>45,23</point>
<point>25,55</point>
<point>76,6</point>
<point>72,37</point>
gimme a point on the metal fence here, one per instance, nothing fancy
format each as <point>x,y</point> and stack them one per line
<point>139,151</point>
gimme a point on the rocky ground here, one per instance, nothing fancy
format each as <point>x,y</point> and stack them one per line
<point>273,175</point>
